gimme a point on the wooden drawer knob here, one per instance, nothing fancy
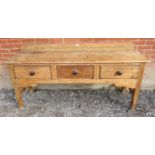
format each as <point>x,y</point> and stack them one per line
<point>32,73</point>
<point>119,73</point>
<point>75,72</point>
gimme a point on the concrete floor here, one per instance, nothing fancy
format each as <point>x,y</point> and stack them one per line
<point>65,103</point>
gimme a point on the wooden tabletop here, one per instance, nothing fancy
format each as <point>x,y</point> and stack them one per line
<point>77,53</point>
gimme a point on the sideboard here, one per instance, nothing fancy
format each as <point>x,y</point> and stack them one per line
<point>118,64</point>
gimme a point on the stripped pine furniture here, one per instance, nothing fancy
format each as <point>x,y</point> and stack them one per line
<point>118,64</point>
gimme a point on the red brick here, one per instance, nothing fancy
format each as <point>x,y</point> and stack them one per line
<point>153,47</point>
<point>4,51</point>
<point>7,45</point>
<point>11,45</point>
<point>18,45</point>
<point>150,51</point>
<point>70,40</point>
<point>27,40</point>
<point>113,39</point>
<point>109,39</point>
<point>14,50</point>
<point>146,38</point>
<point>139,42</point>
<point>101,40</point>
<point>127,39</point>
<point>6,55</point>
<point>86,40</point>
<point>42,40</point>
<point>144,47</point>
<point>56,40</point>
<point>3,40</point>
<point>117,39</point>
<point>151,42</point>
<point>2,59</point>
<point>152,56</point>
<point>14,41</point>
<point>132,39</point>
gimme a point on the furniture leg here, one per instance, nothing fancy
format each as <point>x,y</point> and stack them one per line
<point>123,67</point>
<point>19,92</point>
<point>134,101</point>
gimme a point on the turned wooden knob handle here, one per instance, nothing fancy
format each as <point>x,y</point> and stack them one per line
<point>75,72</point>
<point>31,73</point>
<point>119,73</point>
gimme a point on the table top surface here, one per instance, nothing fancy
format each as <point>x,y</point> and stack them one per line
<point>78,53</point>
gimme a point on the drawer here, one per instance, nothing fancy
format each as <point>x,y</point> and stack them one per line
<point>119,71</point>
<point>75,72</point>
<point>32,72</point>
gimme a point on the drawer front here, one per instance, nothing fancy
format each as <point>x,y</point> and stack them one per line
<point>75,72</point>
<point>32,72</point>
<point>119,71</point>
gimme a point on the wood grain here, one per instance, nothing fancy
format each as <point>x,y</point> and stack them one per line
<point>129,83</point>
<point>35,48</point>
<point>110,53</point>
<point>39,72</point>
<point>134,102</point>
<point>88,57</point>
<point>18,88</point>
<point>82,71</point>
<point>118,64</point>
<point>111,71</point>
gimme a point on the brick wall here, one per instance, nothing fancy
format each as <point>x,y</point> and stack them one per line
<point>9,47</point>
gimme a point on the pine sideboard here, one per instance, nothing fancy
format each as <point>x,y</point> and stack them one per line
<point>118,64</point>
